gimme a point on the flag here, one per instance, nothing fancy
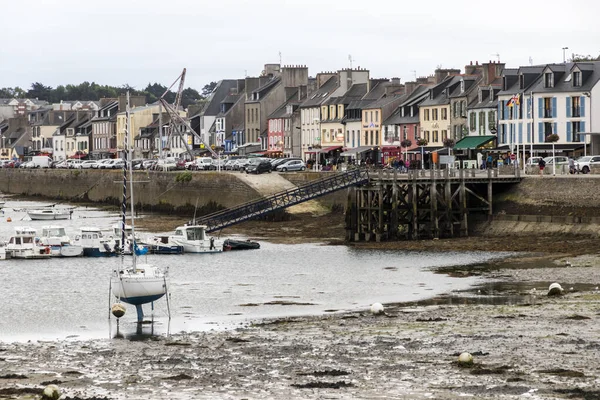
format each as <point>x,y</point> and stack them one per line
<point>515,100</point>
<point>139,251</point>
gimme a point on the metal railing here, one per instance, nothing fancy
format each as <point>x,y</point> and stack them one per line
<point>287,198</point>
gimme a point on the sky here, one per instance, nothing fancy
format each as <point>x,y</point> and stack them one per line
<point>137,42</point>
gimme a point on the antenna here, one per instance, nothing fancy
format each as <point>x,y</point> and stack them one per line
<point>279,58</point>
<point>497,56</point>
<point>530,61</point>
<point>415,73</point>
<point>350,59</point>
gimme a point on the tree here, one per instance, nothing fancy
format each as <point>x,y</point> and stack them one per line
<point>40,92</point>
<point>10,93</point>
<point>208,89</point>
<point>189,96</point>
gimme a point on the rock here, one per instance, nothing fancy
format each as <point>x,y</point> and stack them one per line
<point>376,308</point>
<point>51,392</point>
<point>555,290</point>
<point>465,359</point>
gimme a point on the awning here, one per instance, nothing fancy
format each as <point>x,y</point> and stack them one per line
<point>358,150</point>
<point>546,147</point>
<point>330,148</point>
<point>391,150</point>
<point>473,142</point>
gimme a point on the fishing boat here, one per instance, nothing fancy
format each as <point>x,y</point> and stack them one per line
<point>60,244</point>
<point>161,245</point>
<point>25,244</point>
<point>232,244</point>
<point>3,254</point>
<point>194,239</point>
<point>133,282</point>
<point>95,244</point>
<point>49,214</point>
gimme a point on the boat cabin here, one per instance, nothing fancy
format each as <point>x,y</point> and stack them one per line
<point>197,232</point>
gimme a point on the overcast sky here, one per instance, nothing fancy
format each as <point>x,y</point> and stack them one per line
<point>136,42</point>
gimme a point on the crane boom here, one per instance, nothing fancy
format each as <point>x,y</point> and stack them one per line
<point>177,119</point>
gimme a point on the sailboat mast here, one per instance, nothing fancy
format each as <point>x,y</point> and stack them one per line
<point>125,151</point>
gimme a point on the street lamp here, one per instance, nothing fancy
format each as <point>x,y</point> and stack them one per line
<point>564,57</point>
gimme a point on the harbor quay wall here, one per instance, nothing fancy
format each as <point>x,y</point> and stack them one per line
<point>156,189</point>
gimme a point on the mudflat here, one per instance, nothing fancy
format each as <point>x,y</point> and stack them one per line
<point>524,343</point>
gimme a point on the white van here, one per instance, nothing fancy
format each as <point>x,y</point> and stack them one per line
<point>74,163</point>
<point>41,161</point>
<point>204,163</point>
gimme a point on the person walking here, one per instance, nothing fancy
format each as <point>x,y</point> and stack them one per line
<point>541,166</point>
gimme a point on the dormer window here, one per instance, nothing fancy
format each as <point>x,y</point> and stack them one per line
<point>548,80</point>
<point>462,86</point>
<point>576,78</point>
<point>521,81</point>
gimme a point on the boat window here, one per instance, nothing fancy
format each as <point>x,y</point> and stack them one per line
<point>178,232</point>
<point>195,234</point>
<point>27,240</point>
<point>95,236</point>
<point>17,240</point>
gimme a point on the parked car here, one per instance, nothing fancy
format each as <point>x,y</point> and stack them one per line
<point>204,163</point>
<point>586,163</point>
<point>74,163</point>
<point>149,164</point>
<point>100,162</point>
<point>258,166</point>
<point>87,164</point>
<point>28,164</point>
<point>62,164</point>
<point>217,164</point>
<point>533,161</point>
<point>112,163</point>
<point>166,164</point>
<point>291,165</point>
<point>279,161</point>
<point>3,163</point>
<point>559,160</point>
<point>241,164</point>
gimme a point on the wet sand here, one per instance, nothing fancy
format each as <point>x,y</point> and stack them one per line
<point>525,344</point>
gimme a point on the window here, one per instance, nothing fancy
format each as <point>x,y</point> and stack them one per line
<point>434,113</point>
<point>444,134</point>
<point>575,107</point>
<point>472,117</point>
<point>435,136</point>
<point>576,128</point>
<point>481,123</point>
<point>376,116</point>
<point>444,114</point>
<point>491,119</point>
<point>576,78</point>
<point>426,115</point>
<point>548,80</point>
<point>427,136</point>
<point>547,107</point>
<point>455,109</point>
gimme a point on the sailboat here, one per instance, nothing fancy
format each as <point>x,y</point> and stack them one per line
<point>134,282</point>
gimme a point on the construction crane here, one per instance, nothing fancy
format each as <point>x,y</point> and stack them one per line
<point>177,120</point>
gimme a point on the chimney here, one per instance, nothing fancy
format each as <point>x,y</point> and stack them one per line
<point>410,87</point>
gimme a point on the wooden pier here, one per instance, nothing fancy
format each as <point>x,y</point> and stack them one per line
<point>422,204</point>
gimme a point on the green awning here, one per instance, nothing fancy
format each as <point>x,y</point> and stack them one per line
<point>473,142</point>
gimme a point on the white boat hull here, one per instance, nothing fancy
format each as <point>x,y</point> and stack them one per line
<point>144,285</point>
<point>47,217</point>
<point>198,246</point>
<point>39,252</point>
<point>71,251</point>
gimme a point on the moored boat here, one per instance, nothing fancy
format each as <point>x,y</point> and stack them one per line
<point>194,239</point>
<point>60,244</point>
<point>25,244</point>
<point>94,243</point>
<point>49,214</point>
<point>232,244</point>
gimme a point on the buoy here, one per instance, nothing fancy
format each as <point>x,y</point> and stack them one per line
<point>465,359</point>
<point>118,310</point>
<point>555,290</point>
<point>51,392</point>
<point>9,219</point>
<point>376,308</point>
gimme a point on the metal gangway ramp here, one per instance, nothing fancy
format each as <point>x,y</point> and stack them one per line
<point>277,201</point>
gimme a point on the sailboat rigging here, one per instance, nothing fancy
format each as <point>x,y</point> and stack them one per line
<point>137,283</point>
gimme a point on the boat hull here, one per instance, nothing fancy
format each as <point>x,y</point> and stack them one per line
<point>164,249</point>
<point>144,285</point>
<point>47,217</point>
<point>240,245</point>
<point>71,251</point>
<point>96,252</point>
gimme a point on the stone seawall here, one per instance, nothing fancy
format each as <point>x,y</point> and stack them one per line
<point>151,188</point>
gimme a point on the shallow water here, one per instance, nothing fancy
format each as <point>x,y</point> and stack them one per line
<point>69,297</point>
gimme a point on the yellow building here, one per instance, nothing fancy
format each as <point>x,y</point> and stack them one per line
<point>140,117</point>
<point>434,113</point>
